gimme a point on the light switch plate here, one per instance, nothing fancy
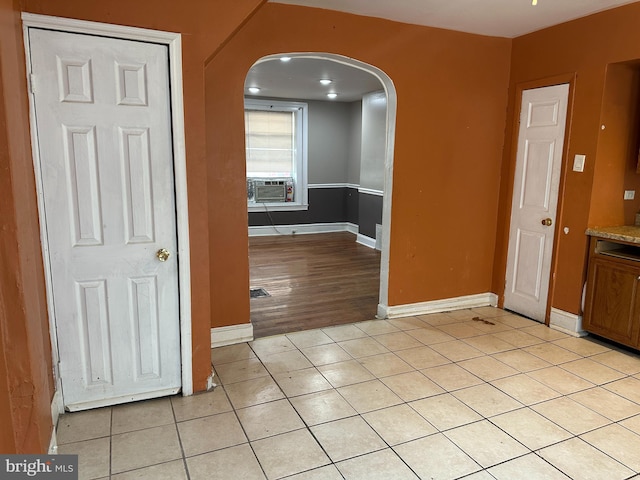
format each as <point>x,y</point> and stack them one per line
<point>578,163</point>
<point>629,194</point>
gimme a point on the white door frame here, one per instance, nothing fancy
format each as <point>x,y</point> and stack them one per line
<point>174,44</point>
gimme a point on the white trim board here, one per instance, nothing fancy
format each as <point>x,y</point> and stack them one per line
<point>366,241</point>
<point>566,322</point>
<point>276,207</point>
<point>301,229</point>
<point>57,408</point>
<point>174,44</point>
<point>370,191</point>
<point>307,229</point>
<point>332,185</point>
<point>211,381</point>
<point>232,334</point>
<point>437,306</point>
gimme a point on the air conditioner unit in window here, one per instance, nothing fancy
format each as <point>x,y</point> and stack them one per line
<point>266,190</point>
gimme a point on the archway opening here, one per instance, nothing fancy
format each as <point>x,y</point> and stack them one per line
<point>340,181</point>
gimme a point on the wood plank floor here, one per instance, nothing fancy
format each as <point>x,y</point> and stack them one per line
<point>314,280</point>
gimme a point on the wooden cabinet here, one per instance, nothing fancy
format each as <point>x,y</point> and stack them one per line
<point>612,308</point>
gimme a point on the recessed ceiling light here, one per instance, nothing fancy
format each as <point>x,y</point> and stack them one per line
<point>285,59</point>
<point>326,81</point>
<point>332,95</point>
<point>254,89</point>
<point>534,2</point>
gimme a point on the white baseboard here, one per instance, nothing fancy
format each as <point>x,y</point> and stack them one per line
<point>211,380</point>
<point>221,336</point>
<point>366,241</point>
<point>57,408</point>
<point>53,443</point>
<point>302,229</point>
<point>566,322</point>
<point>352,228</point>
<point>436,306</point>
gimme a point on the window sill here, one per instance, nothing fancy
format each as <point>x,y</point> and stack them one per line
<point>277,207</point>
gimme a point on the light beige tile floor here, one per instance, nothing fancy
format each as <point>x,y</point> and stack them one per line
<point>440,396</point>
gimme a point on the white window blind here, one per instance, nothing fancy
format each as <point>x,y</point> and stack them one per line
<point>270,143</point>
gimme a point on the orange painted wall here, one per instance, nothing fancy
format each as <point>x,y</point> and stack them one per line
<point>617,155</point>
<point>7,440</point>
<point>26,383</point>
<point>578,51</point>
<point>452,95</point>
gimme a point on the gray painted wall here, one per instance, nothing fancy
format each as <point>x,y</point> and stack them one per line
<point>369,214</point>
<point>330,132</point>
<point>355,144</point>
<point>374,140</point>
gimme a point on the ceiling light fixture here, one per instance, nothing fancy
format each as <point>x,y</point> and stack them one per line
<point>332,95</point>
<point>534,2</point>
<point>254,89</point>
<point>326,81</point>
<point>285,59</point>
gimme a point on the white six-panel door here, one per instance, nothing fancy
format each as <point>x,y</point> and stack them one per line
<point>103,117</point>
<point>535,199</point>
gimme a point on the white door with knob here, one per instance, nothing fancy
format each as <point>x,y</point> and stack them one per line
<point>535,197</point>
<point>103,116</point>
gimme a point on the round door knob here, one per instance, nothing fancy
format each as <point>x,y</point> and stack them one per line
<point>163,254</point>
<point>547,222</point>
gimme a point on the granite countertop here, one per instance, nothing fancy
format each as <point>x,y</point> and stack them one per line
<point>623,233</point>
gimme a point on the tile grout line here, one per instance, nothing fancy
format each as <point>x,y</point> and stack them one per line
<point>288,401</point>
<point>110,441</point>
<point>361,417</point>
<point>578,436</point>
<point>487,382</point>
<point>357,414</point>
<point>488,418</point>
<point>184,456</point>
<point>594,385</point>
<point>244,431</point>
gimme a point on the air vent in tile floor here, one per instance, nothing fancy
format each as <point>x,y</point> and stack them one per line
<point>258,292</point>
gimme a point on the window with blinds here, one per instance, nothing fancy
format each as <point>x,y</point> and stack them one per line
<point>276,150</point>
<point>270,143</point>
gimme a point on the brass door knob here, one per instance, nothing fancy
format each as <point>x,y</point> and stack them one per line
<point>547,222</point>
<point>163,254</point>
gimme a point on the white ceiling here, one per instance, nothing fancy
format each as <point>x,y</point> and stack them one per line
<point>499,18</point>
<point>299,78</point>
